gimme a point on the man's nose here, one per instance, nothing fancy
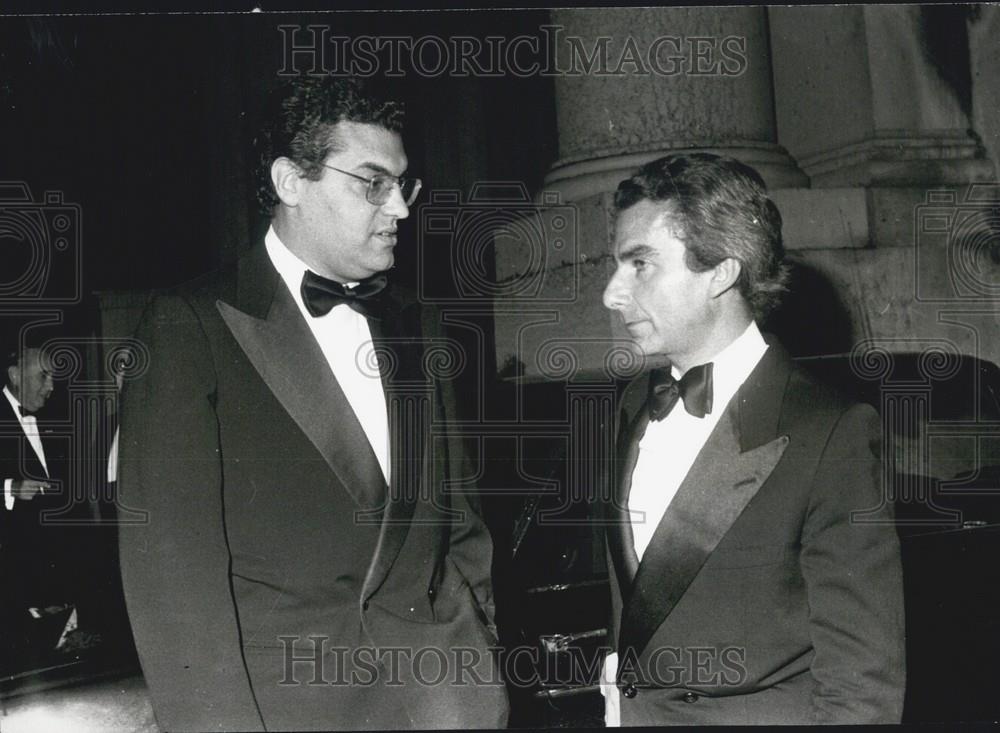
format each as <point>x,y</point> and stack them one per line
<point>395,205</point>
<point>616,295</point>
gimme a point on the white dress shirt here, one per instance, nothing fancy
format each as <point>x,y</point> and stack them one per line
<point>346,342</point>
<point>666,453</point>
<point>30,427</point>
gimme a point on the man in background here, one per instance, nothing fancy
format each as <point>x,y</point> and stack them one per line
<point>33,551</point>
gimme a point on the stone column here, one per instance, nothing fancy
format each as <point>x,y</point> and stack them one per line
<point>866,96</point>
<point>887,106</point>
<point>675,79</point>
<point>984,28</point>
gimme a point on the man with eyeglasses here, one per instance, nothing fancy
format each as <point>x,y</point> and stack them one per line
<point>308,562</point>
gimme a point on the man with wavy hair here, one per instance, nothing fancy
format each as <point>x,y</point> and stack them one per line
<point>307,562</point>
<point>743,589</point>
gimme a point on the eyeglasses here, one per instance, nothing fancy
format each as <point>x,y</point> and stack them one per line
<point>381,184</point>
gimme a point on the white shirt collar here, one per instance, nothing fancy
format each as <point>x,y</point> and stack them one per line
<point>733,365</point>
<point>288,264</point>
<point>14,402</point>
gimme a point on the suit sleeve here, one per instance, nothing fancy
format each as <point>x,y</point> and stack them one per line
<point>470,544</point>
<point>10,468</point>
<point>471,549</point>
<point>853,577</point>
<point>175,565</point>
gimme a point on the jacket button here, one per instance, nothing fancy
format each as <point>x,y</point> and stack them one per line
<point>629,691</point>
<point>690,697</point>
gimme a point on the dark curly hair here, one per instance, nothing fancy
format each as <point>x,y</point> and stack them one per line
<point>723,210</point>
<point>301,116</point>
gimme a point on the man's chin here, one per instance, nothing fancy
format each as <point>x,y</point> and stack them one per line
<point>375,266</point>
<point>384,261</point>
<point>639,347</point>
<point>648,353</point>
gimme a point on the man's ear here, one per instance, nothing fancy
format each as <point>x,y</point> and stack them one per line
<point>13,377</point>
<point>725,276</point>
<point>286,177</point>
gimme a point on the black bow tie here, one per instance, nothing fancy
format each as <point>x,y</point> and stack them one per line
<point>694,388</point>
<point>320,295</point>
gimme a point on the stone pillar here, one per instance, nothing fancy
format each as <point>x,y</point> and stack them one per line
<point>864,96</point>
<point>676,79</point>
<point>984,28</point>
<point>886,106</point>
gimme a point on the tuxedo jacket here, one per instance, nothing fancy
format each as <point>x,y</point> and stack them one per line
<point>273,554</point>
<point>771,591</point>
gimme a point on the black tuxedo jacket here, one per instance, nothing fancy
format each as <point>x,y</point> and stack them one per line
<point>763,597</point>
<point>271,533</point>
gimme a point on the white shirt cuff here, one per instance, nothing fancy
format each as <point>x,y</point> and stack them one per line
<point>8,493</point>
<point>612,701</point>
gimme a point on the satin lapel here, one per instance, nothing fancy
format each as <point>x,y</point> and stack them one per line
<point>715,492</point>
<point>762,395</point>
<point>410,402</point>
<point>284,352</point>
<point>621,543</point>
<point>54,449</point>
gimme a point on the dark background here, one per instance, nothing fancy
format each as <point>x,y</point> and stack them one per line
<point>147,123</point>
